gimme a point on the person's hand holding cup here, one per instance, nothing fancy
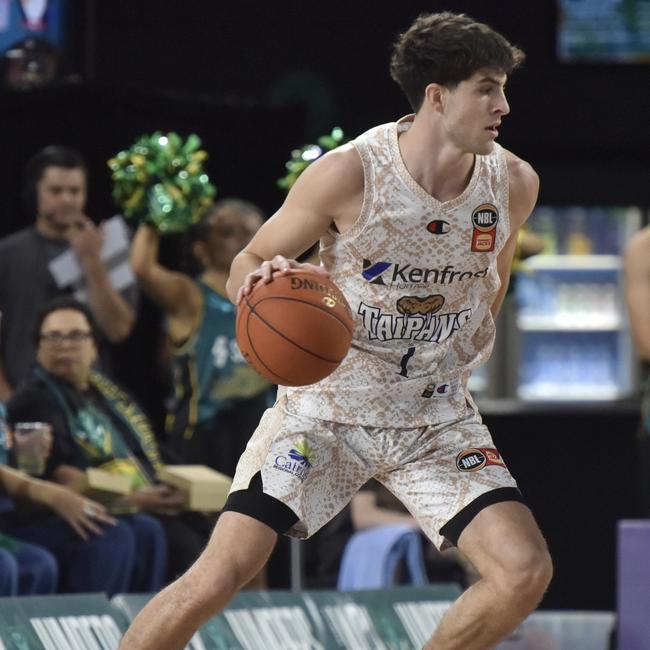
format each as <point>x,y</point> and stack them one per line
<point>32,446</point>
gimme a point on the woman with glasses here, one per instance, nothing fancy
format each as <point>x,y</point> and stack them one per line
<point>96,424</point>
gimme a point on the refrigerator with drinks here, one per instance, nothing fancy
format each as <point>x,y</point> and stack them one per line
<point>570,316</point>
<point>562,334</point>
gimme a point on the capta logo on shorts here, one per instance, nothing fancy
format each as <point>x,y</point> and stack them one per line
<point>297,462</point>
<point>475,459</point>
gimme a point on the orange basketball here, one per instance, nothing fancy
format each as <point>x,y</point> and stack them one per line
<point>296,329</point>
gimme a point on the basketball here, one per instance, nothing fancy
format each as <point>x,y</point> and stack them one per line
<point>296,329</point>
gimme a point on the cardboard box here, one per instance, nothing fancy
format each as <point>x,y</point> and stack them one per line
<point>105,487</point>
<point>206,489</point>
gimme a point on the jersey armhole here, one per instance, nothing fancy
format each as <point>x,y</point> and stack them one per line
<point>505,174</point>
<point>368,195</point>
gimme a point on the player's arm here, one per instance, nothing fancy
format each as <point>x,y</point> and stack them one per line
<point>524,188</point>
<point>175,293</point>
<point>637,290</point>
<point>318,199</point>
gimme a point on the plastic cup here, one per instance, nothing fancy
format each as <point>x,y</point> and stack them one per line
<point>32,444</point>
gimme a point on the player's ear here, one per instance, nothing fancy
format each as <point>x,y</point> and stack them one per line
<point>434,96</point>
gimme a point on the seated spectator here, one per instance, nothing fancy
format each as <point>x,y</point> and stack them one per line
<point>374,505</point>
<point>96,424</point>
<point>94,551</point>
<point>54,192</point>
<point>218,398</point>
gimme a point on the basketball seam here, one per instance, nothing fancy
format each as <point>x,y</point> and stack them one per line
<point>250,342</point>
<point>286,338</point>
<point>306,302</point>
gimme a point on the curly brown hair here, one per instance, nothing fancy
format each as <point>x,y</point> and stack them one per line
<point>447,48</point>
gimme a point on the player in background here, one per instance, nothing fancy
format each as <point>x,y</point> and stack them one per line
<point>418,223</point>
<point>218,398</point>
<point>637,298</point>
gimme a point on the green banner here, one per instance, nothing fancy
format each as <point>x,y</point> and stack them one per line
<point>387,619</point>
<point>79,622</point>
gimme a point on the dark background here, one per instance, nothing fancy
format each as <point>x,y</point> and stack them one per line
<point>255,80</point>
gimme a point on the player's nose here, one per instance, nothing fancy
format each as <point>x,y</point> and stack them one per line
<point>503,108</point>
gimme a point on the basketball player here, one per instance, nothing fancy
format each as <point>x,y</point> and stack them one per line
<point>418,223</point>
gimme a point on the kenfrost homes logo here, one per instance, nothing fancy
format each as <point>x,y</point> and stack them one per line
<point>297,462</point>
<point>406,276</point>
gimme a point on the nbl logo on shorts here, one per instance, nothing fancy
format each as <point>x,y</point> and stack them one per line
<point>476,458</point>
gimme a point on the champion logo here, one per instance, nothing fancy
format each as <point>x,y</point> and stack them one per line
<point>438,227</point>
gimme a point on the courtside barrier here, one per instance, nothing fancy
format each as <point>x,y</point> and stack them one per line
<point>387,619</point>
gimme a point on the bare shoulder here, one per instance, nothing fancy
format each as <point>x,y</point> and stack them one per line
<point>332,187</point>
<point>524,187</point>
<point>339,171</point>
<point>637,250</point>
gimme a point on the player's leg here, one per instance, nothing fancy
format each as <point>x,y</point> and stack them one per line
<point>296,473</point>
<point>237,550</point>
<point>508,550</point>
<point>453,480</point>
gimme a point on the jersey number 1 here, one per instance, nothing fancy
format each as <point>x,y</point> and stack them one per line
<point>404,362</point>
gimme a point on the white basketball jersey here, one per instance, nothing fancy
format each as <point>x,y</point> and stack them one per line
<point>420,276</point>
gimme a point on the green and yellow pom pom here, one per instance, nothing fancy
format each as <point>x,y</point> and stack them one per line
<point>160,180</point>
<point>302,158</point>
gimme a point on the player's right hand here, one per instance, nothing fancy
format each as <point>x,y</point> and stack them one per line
<point>267,270</point>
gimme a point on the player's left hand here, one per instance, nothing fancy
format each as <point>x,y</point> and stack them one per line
<point>272,268</point>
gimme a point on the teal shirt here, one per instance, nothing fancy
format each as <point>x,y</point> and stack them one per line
<point>210,373</point>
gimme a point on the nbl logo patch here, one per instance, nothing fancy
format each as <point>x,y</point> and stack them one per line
<point>484,223</point>
<point>476,458</point>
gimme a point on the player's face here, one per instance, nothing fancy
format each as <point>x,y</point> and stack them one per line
<point>230,233</point>
<point>473,111</point>
<point>61,196</point>
<point>66,347</point>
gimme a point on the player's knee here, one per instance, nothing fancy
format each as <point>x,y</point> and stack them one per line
<point>525,576</point>
<point>208,590</point>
